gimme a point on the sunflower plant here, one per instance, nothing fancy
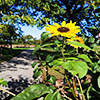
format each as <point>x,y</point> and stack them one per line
<point>60,60</point>
<point>64,62</point>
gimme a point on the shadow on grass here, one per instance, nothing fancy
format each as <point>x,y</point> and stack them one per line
<point>16,86</point>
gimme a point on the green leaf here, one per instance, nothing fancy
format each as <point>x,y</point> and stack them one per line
<point>76,67</point>
<point>99,81</point>
<point>37,73</point>
<point>80,45</point>
<point>52,79</point>
<point>39,46</point>
<point>56,41</point>
<point>34,63</point>
<point>32,92</point>
<point>84,57</point>
<point>48,44</point>
<point>52,87</point>
<point>49,58</point>
<point>48,97</point>
<point>44,35</point>
<point>54,96</point>
<point>2,82</point>
<point>42,98</point>
<point>35,68</point>
<point>71,58</point>
<point>36,49</point>
<point>58,62</point>
<point>91,39</point>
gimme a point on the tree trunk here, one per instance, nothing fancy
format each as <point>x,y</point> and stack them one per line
<point>10,45</point>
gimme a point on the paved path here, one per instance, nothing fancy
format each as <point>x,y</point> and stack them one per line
<point>18,71</point>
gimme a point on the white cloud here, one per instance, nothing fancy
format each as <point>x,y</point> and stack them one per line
<point>34,31</point>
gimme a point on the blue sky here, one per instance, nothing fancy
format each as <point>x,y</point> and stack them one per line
<point>34,31</point>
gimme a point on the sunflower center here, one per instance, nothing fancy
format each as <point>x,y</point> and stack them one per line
<point>63,29</point>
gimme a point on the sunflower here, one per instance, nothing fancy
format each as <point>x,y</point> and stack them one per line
<point>76,39</point>
<point>66,30</point>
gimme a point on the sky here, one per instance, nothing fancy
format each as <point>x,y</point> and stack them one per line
<point>34,31</point>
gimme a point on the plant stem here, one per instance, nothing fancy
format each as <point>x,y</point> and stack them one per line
<point>62,51</point>
<point>67,97</point>
<point>67,81</point>
<point>80,87</point>
<point>4,90</point>
<point>64,58</point>
<point>63,94</point>
<point>74,88</point>
<point>70,85</point>
<point>77,50</point>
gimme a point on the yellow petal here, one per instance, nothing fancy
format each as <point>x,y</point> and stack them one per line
<point>63,23</point>
<point>56,24</point>
<point>47,29</point>
<point>70,21</point>
<point>74,23</point>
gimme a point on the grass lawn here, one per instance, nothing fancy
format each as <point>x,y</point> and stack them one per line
<point>5,54</point>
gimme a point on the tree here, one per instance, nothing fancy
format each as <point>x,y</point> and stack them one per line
<point>7,34</point>
<point>27,39</point>
<point>26,11</point>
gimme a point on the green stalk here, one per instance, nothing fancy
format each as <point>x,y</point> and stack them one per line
<point>64,58</point>
<point>77,50</point>
<point>70,85</point>
<point>62,51</point>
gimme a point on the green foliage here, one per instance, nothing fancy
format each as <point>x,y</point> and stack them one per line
<point>49,58</point>
<point>34,63</point>
<point>84,57</point>
<point>79,45</point>
<point>99,81</point>
<point>36,49</point>
<point>2,82</point>
<point>25,40</point>
<point>79,62</point>
<point>7,34</point>
<point>44,36</point>
<point>54,66</point>
<point>32,92</point>
<point>52,79</point>
<point>76,67</point>
<point>54,96</point>
<point>37,73</point>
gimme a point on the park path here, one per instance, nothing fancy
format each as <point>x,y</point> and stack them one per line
<point>18,71</point>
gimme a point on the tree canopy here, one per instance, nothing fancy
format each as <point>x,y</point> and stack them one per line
<point>41,12</point>
<point>7,34</point>
<point>27,39</point>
